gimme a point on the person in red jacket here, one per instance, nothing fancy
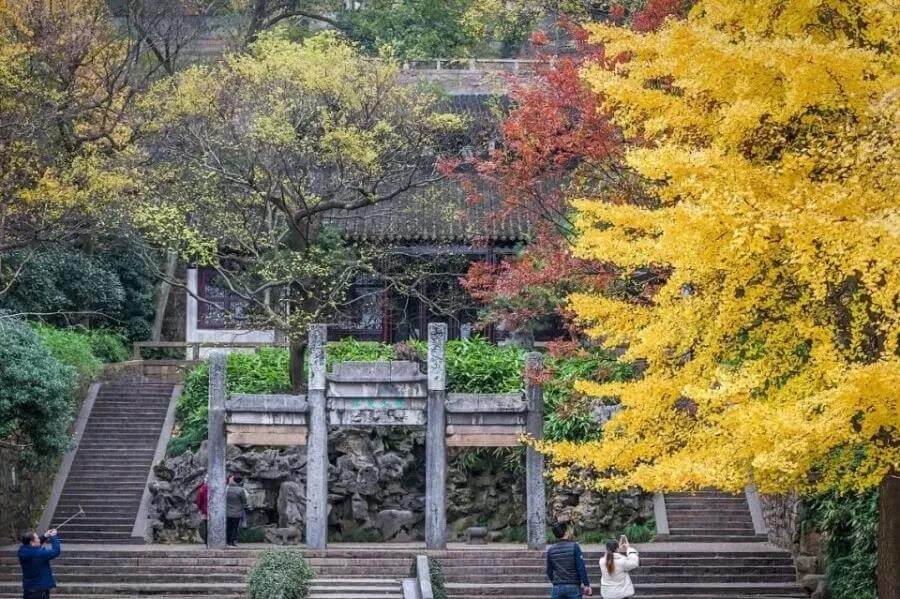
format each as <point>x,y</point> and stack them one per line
<point>202,503</point>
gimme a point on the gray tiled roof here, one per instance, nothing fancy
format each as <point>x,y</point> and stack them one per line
<point>440,213</point>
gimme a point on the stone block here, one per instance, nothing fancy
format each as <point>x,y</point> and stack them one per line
<point>811,582</point>
<point>283,536</point>
<point>392,522</point>
<point>811,542</point>
<point>822,591</point>
<point>807,564</point>
<point>476,535</point>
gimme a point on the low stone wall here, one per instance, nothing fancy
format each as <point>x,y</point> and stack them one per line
<point>783,515</point>
<point>377,491</point>
<point>23,493</point>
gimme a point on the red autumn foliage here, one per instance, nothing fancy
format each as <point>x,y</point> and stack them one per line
<point>556,143</point>
<point>555,129</point>
<point>535,283</point>
<point>654,14</point>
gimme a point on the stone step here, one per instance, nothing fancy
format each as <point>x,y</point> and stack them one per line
<point>711,502</point>
<point>70,505</point>
<point>637,576</point>
<point>708,530</point>
<point>709,520</point>
<point>160,588</point>
<point>110,483</point>
<point>668,590</point>
<point>702,538</point>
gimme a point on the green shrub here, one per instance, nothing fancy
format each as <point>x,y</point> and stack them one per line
<point>280,574</point>
<point>255,534</point>
<point>64,280</point>
<point>36,405</point>
<point>478,366</point>
<point>72,348</point>
<point>126,257</point>
<point>569,416</point>
<point>265,371</point>
<point>850,523</point>
<point>108,346</point>
<point>641,532</point>
<point>637,532</point>
<point>362,535</point>
<point>351,350</point>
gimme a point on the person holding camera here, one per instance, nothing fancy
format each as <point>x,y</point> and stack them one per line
<point>34,559</point>
<point>620,559</point>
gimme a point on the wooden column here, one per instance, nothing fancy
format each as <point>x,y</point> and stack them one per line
<point>889,536</point>
<point>534,461</point>
<point>435,440</point>
<point>216,452</point>
<point>317,443</point>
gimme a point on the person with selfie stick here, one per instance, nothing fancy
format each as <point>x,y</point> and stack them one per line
<point>34,559</point>
<point>620,559</point>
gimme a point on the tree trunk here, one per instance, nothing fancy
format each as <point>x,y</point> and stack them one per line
<point>889,537</point>
<point>162,299</point>
<point>299,381</point>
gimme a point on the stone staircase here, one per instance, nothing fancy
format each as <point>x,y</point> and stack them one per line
<point>665,573</point>
<point>113,459</point>
<point>723,571</point>
<point>712,551</point>
<point>130,571</point>
<point>709,517</point>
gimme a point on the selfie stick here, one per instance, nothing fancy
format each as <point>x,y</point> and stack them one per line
<point>80,512</point>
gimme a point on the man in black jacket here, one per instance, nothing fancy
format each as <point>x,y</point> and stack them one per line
<point>565,566</point>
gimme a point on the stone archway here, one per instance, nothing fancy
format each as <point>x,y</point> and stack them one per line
<point>376,394</point>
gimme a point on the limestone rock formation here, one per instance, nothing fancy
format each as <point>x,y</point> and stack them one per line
<point>376,491</point>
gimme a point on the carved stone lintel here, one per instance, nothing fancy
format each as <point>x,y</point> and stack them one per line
<point>318,335</point>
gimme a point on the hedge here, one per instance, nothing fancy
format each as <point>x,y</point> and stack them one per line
<point>280,574</point>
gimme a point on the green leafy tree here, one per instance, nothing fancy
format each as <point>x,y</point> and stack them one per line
<point>252,155</point>
<point>413,28</point>
<point>35,395</point>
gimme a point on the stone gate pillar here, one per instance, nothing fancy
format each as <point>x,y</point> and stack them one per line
<point>216,452</point>
<point>317,443</point>
<point>534,460</point>
<point>436,441</point>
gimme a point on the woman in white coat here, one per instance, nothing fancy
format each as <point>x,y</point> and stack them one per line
<point>620,559</point>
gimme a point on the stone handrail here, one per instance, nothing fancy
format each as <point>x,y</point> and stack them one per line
<point>508,65</point>
<point>423,577</point>
<point>196,345</point>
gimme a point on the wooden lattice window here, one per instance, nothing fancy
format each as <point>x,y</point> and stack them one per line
<point>224,309</point>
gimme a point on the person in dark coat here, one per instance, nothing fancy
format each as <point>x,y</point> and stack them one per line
<point>235,504</point>
<point>565,566</point>
<point>202,503</point>
<point>34,558</point>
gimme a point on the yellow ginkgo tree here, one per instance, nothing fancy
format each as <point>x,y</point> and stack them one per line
<point>767,132</point>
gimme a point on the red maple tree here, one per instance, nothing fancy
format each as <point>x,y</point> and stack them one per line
<point>556,143</point>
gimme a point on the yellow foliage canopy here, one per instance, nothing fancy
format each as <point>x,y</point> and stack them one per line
<point>768,132</point>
